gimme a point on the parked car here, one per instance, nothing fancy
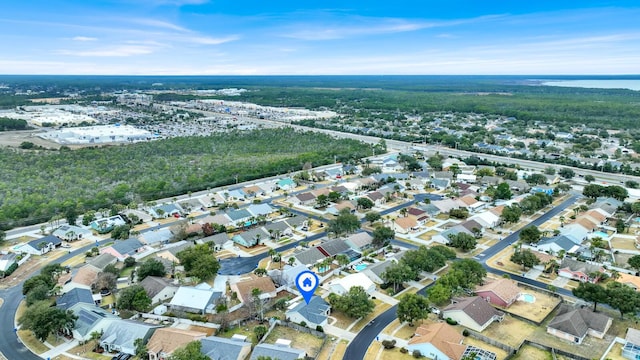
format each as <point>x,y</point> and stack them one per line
<point>434,310</point>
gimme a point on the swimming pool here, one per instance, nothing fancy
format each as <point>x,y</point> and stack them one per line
<point>528,298</point>
<point>360,267</point>
<point>601,234</point>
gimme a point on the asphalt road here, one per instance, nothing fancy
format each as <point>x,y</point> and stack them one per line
<point>361,343</point>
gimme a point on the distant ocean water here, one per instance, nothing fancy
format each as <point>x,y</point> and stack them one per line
<point>596,84</point>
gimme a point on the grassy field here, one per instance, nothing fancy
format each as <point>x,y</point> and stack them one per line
<point>30,341</point>
<point>300,340</point>
<point>528,352</point>
<point>379,309</point>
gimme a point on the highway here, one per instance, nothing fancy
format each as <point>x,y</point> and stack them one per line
<point>359,346</point>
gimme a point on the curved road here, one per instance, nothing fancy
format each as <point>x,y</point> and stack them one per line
<point>361,343</point>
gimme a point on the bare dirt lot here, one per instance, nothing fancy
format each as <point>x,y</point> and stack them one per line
<point>15,138</point>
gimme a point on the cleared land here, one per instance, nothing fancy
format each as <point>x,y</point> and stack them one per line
<point>300,340</point>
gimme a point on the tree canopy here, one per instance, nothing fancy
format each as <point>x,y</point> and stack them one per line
<point>355,303</point>
<point>199,261</point>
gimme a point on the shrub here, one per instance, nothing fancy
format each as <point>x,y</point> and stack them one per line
<point>450,321</point>
<point>416,354</point>
<point>319,328</point>
<point>465,332</point>
<point>303,324</point>
<point>404,350</point>
<point>389,344</point>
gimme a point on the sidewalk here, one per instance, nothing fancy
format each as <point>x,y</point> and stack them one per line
<point>340,333</point>
<point>60,349</point>
<point>384,297</point>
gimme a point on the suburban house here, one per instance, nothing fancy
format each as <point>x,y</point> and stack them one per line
<point>575,324</point>
<point>542,189</point>
<point>198,299</point>
<point>260,209</point>
<point>278,229</point>
<point>501,292</point>
<point>375,271</point>
<point>405,225</point>
<point>439,184</point>
<point>166,210</point>
<point>40,246</point>
<point>345,204</point>
<point>104,225</point>
<point>278,351</point>
<point>121,335</point>
<point>419,215</point>
<point>631,349</point>
<point>304,199</point>
<point>240,217</point>
<point>443,342</point>
<point>580,271</point>
<point>251,237</point>
<point>235,195</point>
<point>252,191</point>
<point>343,285</point>
<point>631,281</point>
<point>470,202</point>
<point>219,348</point>
<point>169,253</point>
<point>220,241</point>
<point>165,341</point>
<point>297,222</point>
<point>286,184</point>
<point>376,197</point>
<point>71,233</point>
<point>289,274</point>
<point>73,297</point>
<point>159,236</point>
<point>158,289</point>
<point>122,249</point>
<point>220,219</point>
<point>90,319</point>
<point>85,278</point>
<point>309,256</point>
<point>472,312</point>
<point>554,245</point>
<point>101,261</point>
<point>487,219</point>
<point>445,205</point>
<point>314,314</point>
<point>244,288</point>
<point>359,241</point>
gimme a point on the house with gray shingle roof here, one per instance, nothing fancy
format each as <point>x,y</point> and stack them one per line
<point>316,313</point>
<point>251,237</point>
<point>575,324</point>
<point>309,256</point>
<point>218,348</point>
<point>101,261</point>
<point>121,335</point>
<point>472,312</point>
<point>40,246</point>
<point>158,289</point>
<point>122,249</point>
<point>277,351</point>
<point>239,216</point>
<point>260,209</point>
<point>278,229</point>
<point>73,297</point>
<point>166,210</point>
<point>296,221</point>
<point>90,318</point>
<point>359,241</point>
<point>220,241</point>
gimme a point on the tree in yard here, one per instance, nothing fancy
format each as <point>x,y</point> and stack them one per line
<point>198,261</point>
<point>591,293</point>
<point>106,280</point>
<point>322,201</point>
<point>151,267</point>
<point>526,258</point>
<point>471,271</point>
<point>503,191</point>
<point>141,348</point>
<point>463,241</point>
<point>88,217</point>
<point>191,351</point>
<point>291,261</point>
<point>440,293</point>
<point>397,274</point>
<point>372,216</point>
<point>260,271</point>
<point>536,179</point>
<point>593,191</point>
<point>622,298</point>
<point>95,336</point>
<point>44,320</point>
<point>365,203</point>
<point>38,293</point>
<point>382,235</point>
<point>635,207</point>
<point>562,220</point>
<point>129,262</point>
<point>549,170</point>
<point>634,262</point>
<point>355,303</point>
<point>344,223</point>
<point>461,213</point>
<point>121,232</point>
<point>566,173</point>
<point>412,307</point>
<point>511,214</point>
<point>530,235</point>
<point>133,298</point>
<point>589,178</point>
<point>343,259</point>
<point>260,331</point>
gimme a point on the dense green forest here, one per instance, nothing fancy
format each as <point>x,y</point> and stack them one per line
<point>36,185</point>
<point>12,124</point>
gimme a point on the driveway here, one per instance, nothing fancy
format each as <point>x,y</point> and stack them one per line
<point>560,282</point>
<point>533,274</point>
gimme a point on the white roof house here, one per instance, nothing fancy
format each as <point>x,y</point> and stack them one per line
<point>343,285</point>
<point>487,219</point>
<point>192,299</point>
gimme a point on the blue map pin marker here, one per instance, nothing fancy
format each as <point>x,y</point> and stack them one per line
<point>307,282</point>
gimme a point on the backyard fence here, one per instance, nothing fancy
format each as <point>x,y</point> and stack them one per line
<point>554,350</point>
<point>510,350</point>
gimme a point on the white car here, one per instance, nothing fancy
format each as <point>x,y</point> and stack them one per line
<point>434,310</point>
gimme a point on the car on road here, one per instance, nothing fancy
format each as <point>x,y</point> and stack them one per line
<point>434,310</point>
<point>371,322</point>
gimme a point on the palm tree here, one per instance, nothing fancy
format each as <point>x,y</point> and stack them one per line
<point>561,221</point>
<point>95,336</point>
<point>272,252</point>
<point>291,261</point>
<point>404,212</point>
<point>343,260</point>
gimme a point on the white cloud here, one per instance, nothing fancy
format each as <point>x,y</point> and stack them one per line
<point>115,51</point>
<point>206,40</point>
<point>84,38</point>
<point>158,24</point>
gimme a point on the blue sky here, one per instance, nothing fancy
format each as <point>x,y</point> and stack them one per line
<point>212,37</point>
